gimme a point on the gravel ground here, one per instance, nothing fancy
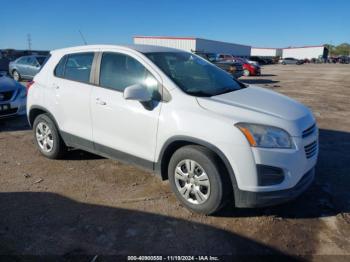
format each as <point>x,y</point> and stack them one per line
<point>86,204</point>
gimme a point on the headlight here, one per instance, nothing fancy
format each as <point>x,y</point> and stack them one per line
<point>265,136</point>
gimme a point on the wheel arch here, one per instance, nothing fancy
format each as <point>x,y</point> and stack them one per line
<point>174,143</point>
<point>36,110</point>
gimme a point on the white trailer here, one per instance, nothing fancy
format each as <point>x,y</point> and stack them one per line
<point>266,52</point>
<point>305,52</point>
<point>193,44</point>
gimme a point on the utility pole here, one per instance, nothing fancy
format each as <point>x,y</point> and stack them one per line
<point>29,40</point>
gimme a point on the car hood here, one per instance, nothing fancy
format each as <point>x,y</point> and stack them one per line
<point>259,105</point>
<point>8,84</point>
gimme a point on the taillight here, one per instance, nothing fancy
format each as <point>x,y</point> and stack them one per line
<point>29,84</point>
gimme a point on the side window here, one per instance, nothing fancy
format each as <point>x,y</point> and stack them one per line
<point>118,71</point>
<point>22,60</point>
<point>59,70</point>
<point>78,67</point>
<point>31,61</point>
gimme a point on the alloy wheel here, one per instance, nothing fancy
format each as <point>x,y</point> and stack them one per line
<point>192,182</point>
<point>44,137</point>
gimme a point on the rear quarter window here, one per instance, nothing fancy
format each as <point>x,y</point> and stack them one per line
<point>59,70</point>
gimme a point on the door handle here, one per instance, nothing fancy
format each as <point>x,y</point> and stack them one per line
<point>100,102</point>
<point>56,86</point>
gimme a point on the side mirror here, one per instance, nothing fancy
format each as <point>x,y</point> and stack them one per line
<point>137,92</point>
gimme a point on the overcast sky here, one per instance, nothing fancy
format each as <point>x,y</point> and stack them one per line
<point>262,23</point>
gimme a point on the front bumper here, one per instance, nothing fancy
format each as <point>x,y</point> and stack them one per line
<point>262,199</point>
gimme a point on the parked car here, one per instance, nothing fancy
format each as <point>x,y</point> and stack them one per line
<point>215,139</point>
<point>259,60</point>
<point>4,65</point>
<point>26,67</point>
<point>232,67</point>
<point>290,61</point>
<point>344,59</point>
<point>249,69</point>
<point>12,97</point>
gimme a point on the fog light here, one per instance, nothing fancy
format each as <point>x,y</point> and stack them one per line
<point>269,175</point>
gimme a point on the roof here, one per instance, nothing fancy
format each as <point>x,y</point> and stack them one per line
<point>139,48</point>
<point>186,38</point>
<point>266,47</point>
<point>167,37</point>
<point>310,46</point>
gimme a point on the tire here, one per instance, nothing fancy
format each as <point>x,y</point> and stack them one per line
<point>47,137</point>
<point>206,189</point>
<point>283,63</point>
<point>246,72</point>
<point>16,76</point>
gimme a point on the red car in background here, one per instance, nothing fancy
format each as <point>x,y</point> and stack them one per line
<point>248,68</point>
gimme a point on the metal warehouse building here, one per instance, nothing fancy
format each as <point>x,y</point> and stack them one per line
<point>193,44</point>
<point>305,52</point>
<point>266,52</point>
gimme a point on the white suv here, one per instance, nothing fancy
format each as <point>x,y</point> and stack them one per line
<point>170,111</point>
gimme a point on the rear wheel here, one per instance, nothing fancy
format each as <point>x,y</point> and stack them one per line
<point>47,138</point>
<point>196,179</point>
<point>16,75</point>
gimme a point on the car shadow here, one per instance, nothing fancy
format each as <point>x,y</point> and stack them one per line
<point>257,81</point>
<point>267,75</point>
<point>329,194</point>
<point>77,154</point>
<point>40,223</point>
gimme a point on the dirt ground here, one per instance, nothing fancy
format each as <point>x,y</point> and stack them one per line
<point>86,204</point>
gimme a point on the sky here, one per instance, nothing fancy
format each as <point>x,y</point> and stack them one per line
<point>55,24</point>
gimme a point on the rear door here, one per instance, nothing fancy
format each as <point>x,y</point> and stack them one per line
<point>70,97</point>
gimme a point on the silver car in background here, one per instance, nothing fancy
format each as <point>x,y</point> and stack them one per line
<point>26,67</point>
<point>13,97</point>
<point>290,61</point>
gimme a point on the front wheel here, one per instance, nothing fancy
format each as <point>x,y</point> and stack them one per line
<point>195,177</point>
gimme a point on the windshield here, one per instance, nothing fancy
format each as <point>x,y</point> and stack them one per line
<point>195,76</point>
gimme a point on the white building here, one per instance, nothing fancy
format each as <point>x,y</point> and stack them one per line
<point>192,44</point>
<point>266,52</point>
<point>305,52</point>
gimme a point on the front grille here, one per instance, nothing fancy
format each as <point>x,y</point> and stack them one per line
<point>311,149</point>
<point>5,96</point>
<point>309,131</point>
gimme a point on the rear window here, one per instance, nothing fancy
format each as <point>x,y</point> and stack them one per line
<point>75,67</point>
<point>41,60</point>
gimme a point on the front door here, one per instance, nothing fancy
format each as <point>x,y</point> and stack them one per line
<point>125,128</point>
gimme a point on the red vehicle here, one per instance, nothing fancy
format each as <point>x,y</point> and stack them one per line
<point>248,68</point>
